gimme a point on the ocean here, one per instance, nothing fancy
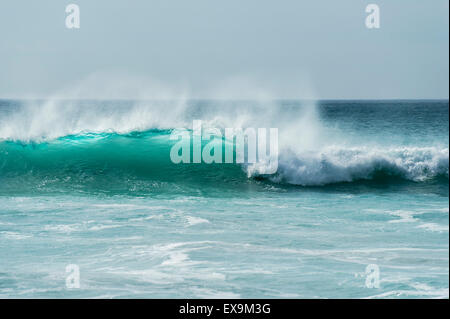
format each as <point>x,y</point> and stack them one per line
<point>358,208</point>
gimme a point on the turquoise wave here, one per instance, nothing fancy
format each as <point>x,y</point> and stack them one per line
<point>136,162</point>
<point>139,163</point>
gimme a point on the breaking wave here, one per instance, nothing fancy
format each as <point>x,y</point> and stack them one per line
<point>67,144</point>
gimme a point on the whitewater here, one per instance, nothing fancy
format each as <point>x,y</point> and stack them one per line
<point>90,182</point>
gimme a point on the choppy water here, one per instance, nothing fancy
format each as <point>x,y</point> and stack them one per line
<point>91,183</point>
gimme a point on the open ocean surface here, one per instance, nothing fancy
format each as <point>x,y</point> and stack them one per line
<point>91,183</point>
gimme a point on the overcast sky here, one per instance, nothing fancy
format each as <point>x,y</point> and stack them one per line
<point>228,48</point>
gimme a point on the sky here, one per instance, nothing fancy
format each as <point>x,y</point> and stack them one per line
<point>225,49</point>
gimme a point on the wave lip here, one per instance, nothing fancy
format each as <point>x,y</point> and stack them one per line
<point>336,164</point>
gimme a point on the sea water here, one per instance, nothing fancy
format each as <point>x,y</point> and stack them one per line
<point>91,184</point>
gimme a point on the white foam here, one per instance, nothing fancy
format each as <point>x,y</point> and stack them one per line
<point>196,220</point>
<point>421,291</point>
<point>101,227</point>
<point>214,294</point>
<point>404,216</point>
<point>340,164</point>
<point>62,228</point>
<point>434,227</point>
<point>14,235</point>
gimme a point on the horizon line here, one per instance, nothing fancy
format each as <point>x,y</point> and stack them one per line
<point>220,99</point>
